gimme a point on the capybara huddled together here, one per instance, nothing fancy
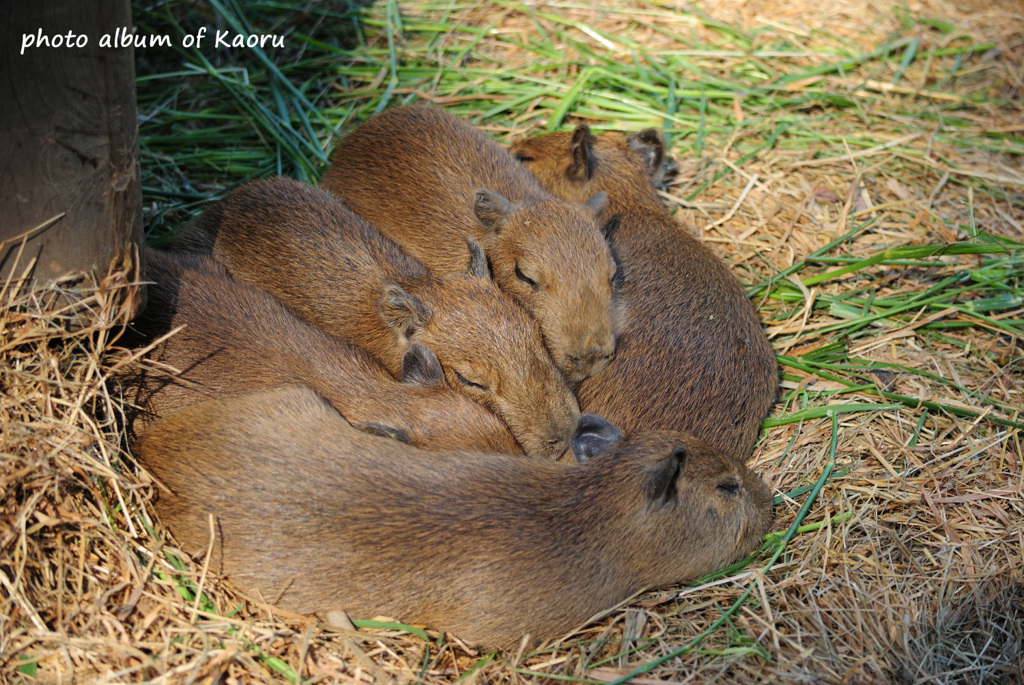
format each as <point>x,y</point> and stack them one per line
<point>693,355</point>
<point>428,180</point>
<point>375,387</point>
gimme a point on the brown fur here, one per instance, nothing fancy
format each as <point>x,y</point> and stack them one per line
<point>237,339</point>
<point>317,517</point>
<point>419,175</point>
<point>693,355</point>
<point>335,271</point>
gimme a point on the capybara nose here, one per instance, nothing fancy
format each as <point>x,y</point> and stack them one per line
<point>594,436</point>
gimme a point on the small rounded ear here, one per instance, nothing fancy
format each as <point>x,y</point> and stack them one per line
<point>402,312</point>
<point>594,435</point>
<point>663,479</point>
<point>597,202</point>
<point>420,366</point>
<point>581,150</point>
<point>647,144</point>
<point>477,260</point>
<point>382,431</point>
<point>490,208</point>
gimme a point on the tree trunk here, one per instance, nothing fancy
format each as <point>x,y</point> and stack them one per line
<point>69,151</point>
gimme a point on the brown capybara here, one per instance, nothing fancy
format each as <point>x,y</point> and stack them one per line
<point>338,273</point>
<point>693,356</point>
<point>237,339</point>
<point>428,181</point>
<point>316,516</point>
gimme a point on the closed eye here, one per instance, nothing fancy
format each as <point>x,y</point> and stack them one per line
<point>523,157</point>
<point>469,384</point>
<point>730,487</point>
<point>524,278</point>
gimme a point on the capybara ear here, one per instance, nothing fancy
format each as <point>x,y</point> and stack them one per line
<point>490,208</point>
<point>420,366</point>
<point>648,145</point>
<point>477,260</point>
<point>594,435</point>
<point>382,431</point>
<point>664,476</point>
<point>596,203</point>
<point>402,312</point>
<point>581,149</point>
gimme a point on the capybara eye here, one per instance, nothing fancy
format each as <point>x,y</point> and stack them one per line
<point>729,487</point>
<point>524,278</point>
<point>523,157</point>
<point>468,383</point>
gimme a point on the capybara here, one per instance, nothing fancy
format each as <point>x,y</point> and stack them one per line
<point>428,180</point>
<point>237,339</point>
<point>336,272</point>
<point>315,516</point>
<point>693,355</point>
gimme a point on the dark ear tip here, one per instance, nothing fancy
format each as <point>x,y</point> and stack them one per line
<point>582,128</point>
<point>421,366</point>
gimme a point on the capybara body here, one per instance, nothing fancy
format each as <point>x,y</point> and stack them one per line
<point>428,180</point>
<point>237,339</point>
<point>336,272</point>
<point>317,516</point>
<point>693,355</point>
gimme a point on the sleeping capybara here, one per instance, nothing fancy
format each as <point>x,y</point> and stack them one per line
<point>428,180</point>
<point>336,272</point>
<point>315,516</point>
<point>693,356</point>
<point>237,339</point>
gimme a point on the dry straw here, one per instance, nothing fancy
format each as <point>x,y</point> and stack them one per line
<point>856,163</point>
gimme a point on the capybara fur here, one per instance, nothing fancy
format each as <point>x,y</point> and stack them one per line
<point>315,516</point>
<point>693,355</point>
<point>428,180</point>
<point>237,339</point>
<point>336,272</point>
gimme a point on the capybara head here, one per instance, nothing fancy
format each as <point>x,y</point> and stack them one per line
<point>550,256</point>
<point>686,507</point>
<point>488,348</point>
<point>574,165</point>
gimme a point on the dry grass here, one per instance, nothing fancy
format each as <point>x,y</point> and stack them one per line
<point>909,566</point>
